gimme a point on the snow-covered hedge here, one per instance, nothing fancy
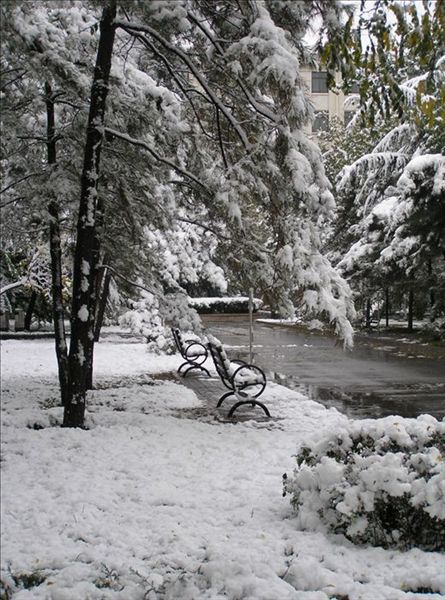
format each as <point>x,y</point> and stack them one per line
<point>237,304</point>
<point>435,331</point>
<point>380,482</point>
<point>152,316</point>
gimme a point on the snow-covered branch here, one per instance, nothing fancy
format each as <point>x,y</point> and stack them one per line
<point>371,162</point>
<point>263,110</point>
<point>133,283</point>
<point>24,178</point>
<point>205,227</point>
<point>148,44</point>
<point>134,27</point>
<point>158,157</point>
<point>13,286</point>
<point>395,139</point>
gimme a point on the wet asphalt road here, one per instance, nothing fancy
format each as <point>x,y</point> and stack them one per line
<point>364,382</point>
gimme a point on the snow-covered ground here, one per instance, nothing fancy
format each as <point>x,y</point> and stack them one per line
<point>150,503</point>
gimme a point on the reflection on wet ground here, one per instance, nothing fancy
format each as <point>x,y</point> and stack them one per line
<point>365,382</point>
<point>404,400</point>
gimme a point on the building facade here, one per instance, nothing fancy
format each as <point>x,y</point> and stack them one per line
<point>328,104</point>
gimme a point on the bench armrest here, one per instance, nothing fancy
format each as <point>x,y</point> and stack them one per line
<point>194,350</point>
<point>259,377</point>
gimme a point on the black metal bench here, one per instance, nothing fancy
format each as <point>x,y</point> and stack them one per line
<point>244,381</point>
<point>192,351</point>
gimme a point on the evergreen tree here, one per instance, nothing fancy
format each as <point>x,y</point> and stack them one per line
<point>196,116</point>
<point>390,198</point>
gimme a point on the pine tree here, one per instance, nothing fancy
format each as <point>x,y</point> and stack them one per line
<point>196,117</point>
<point>390,198</point>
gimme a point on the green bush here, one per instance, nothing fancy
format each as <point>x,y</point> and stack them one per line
<point>377,482</point>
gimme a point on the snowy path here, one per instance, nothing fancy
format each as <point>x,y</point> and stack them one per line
<point>146,500</point>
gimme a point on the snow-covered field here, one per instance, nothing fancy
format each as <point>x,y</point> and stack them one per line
<point>149,503</point>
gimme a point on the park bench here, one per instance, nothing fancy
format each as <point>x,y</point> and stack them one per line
<point>192,351</point>
<point>244,381</point>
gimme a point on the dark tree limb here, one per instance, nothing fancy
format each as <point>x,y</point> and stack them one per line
<point>148,44</point>
<point>84,267</point>
<point>132,283</point>
<point>30,310</point>
<point>134,27</point>
<point>56,254</point>
<point>158,157</point>
<point>102,303</point>
<point>14,183</point>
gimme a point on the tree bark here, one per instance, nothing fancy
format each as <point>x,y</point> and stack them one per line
<point>432,292</point>
<point>410,309</point>
<point>368,313</point>
<point>102,304</point>
<point>30,310</point>
<point>95,296</point>
<point>56,255</point>
<point>387,307</point>
<point>85,252</point>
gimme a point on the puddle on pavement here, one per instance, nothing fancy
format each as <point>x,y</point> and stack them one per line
<point>373,381</point>
<point>402,400</point>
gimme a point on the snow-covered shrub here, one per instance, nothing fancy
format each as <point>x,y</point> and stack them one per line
<point>380,482</point>
<point>152,316</point>
<point>238,304</point>
<point>435,331</point>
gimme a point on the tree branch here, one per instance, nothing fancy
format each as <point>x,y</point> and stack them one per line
<point>113,270</point>
<point>260,109</point>
<point>13,200</point>
<point>221,145</point>
<point>134,27</point>
<point>20,180</point>
<point>11,81</point>
<point>162,159</point>
<point>205,227</point>
<point>12,286</point>
<point>184,90</point>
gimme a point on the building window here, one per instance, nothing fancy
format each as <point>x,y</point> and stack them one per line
<point>320,82</point>
<point>321,121</point>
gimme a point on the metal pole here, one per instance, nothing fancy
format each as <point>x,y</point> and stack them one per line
<point>251,325</point>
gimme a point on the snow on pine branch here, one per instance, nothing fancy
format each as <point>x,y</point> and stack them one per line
<point>410,87</point>
<point>417,165</point>
<point>156,155</point>
<point>267,61</point>
<point>397,140</point>
<point>386,234</point>
<point>384,162</point>
<point>153,33</point>
<point>138,87</point>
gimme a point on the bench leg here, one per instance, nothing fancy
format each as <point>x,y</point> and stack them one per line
<point>195,367</point>
<point>252,402</point>
<point>224,396</point>
<point>184,364</point>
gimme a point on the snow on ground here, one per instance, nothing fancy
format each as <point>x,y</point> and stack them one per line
<point>148,504</point>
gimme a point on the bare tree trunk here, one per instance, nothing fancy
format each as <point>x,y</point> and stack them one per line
<point>85,253</point>
<point>432,293</point>
<point>387,307</point>
<point>95,296</point>
<point>56,256</point>
<point>103,298</point>
<point>30,310</point>
<point>410,309</point>
<point>368,313</point>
